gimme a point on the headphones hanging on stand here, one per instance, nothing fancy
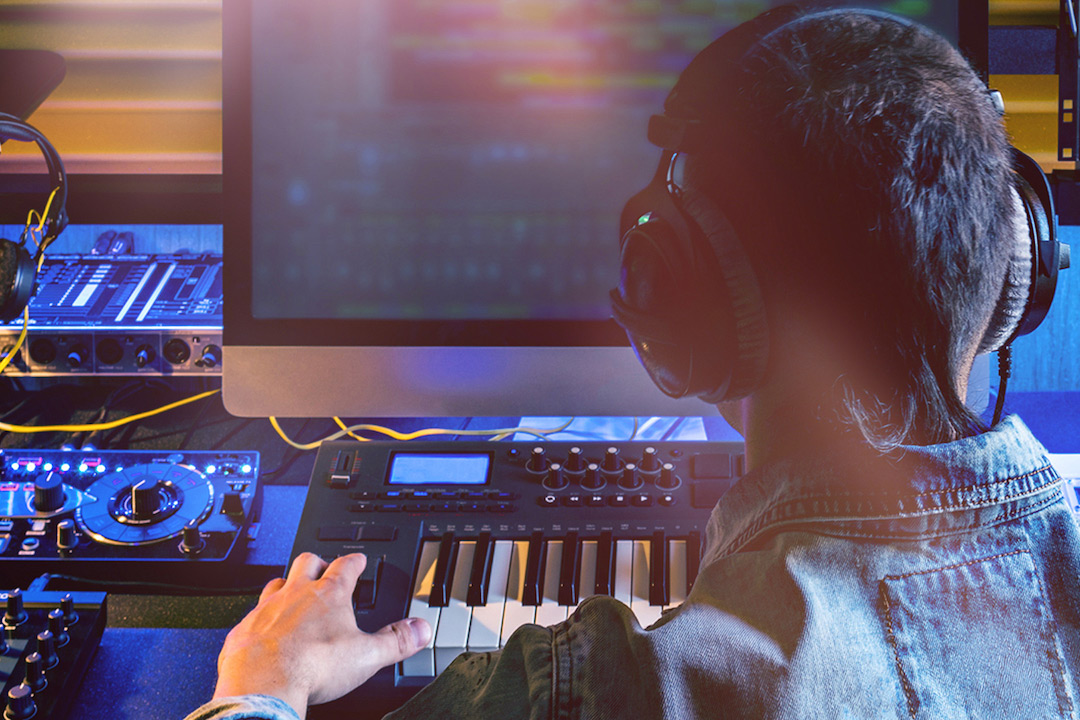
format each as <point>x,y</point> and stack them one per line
<point>18,266</point>
<point>688,296</point>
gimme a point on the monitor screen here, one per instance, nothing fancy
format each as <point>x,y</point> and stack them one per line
<point>422,199</point>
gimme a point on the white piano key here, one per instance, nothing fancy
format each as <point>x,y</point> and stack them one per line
<point>550,611</point>
<point>624,564</point>
<point>423,662</point>
<point>453,631</point>
<point>516,614</point>
<point>639,600</point>
<point>487,619</point>
<point>677,572</point>
<point>587,575</point>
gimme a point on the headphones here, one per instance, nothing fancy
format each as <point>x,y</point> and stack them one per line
<point>688,296</point>
<point>18,268</point>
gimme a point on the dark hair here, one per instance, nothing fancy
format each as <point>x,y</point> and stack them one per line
<point>880,190</point>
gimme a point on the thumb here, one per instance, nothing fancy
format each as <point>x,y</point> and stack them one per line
<point>399,640</point>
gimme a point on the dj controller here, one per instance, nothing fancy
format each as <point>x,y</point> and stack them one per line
<point>125,516</point>
<point>480,538</point>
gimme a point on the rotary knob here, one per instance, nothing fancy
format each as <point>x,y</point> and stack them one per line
<point>575,460</point>
<point>48,492</point>
<point>20,703</point>
<point>630,479</point>
<point>593,480</point>
<point>650,460</point>
<point>145,498</point>
<point>611,463</point>
<point>14,613</point>
<point>46,645</point>
<point>668,480</point>
<point>35,672</point>
<point>67,606</point>
<point>56,627</point>
<point>555,479</point>
<point>192,542</point>
<point>66,539</point>
<point>537,460</point>
<point>144,355</point>
<point>77,356</point>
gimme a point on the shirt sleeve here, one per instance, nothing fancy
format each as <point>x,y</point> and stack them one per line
<point>245,707</point>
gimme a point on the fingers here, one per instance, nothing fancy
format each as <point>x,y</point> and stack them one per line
<point>271,587</point>
<point>346,569</point>
<point>399,640</point>
<point>306,566</point>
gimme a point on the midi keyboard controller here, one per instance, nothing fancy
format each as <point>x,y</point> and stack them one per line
<point>480,538</point>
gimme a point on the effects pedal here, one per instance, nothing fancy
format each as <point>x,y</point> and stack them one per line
<point>48,641</point>
<point>136,516</point>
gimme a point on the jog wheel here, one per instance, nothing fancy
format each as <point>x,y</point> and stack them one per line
<point>145,504</point>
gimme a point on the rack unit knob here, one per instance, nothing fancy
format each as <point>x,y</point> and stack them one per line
<point>537,460</point>
<point>35,672</point>
<point>48,492</point>
<point>593,480</point>
<point>630,479</point>
<point>575,460</point>
<point>20,703</point>
<point>14,613</point>
<point>555,479</point>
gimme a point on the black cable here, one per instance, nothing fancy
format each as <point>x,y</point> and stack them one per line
<point>1004,372</point>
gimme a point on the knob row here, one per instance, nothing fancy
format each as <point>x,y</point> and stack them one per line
<point>577,463</point>
<point>630,477</point>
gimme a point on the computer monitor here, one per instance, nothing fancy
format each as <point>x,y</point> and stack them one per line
<point>422,199</point>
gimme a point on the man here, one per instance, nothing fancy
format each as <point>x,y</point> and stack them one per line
<point>886,555</point>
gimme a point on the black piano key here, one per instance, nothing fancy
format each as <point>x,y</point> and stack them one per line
<point>605,564</point>
<point>444,571</point>
<point>569,570</point>
<point>480,577</point>
<point>693,558</point>
<point>534,569</point>
<point>659,584</point>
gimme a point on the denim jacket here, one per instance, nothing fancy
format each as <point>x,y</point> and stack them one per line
<point>939,582</point>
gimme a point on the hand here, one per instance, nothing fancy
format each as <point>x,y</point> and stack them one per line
<point>300,643</point>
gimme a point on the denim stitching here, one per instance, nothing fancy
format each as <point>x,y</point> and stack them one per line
<point>769,515</point>
<point>909,692</point>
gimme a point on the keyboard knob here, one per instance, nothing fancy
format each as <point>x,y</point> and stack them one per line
<point>46,645</point>
<point>630,479</point>
<point>537,460</point>
<point>593,480</point>
<point>668,480</point>
<point>650,460</point>
<point>611,463</point>
<point>20,703</point>
<point>575,460</point>
<point>555,479</point>
<point>35,672</point>
<point>67,606</point>
<point>56,627</point>
<point>15,614</point>
<point>48,492</point>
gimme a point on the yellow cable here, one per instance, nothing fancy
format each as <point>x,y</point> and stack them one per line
<point>106,425</point>
<point>350,433</point>
<point>18,344</point>
<point>499,433</point>
<point>25,327</point>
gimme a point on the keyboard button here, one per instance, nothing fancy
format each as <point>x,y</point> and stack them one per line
<point>605,564</point>
<point>548,501</point>
<point>550,612</point>
<point>693,558</point>
<point>618,500</point>
<point>484,632</point>
<point>516,613</point>
<point>452,635</point>
<point>659,588</point>
<point>361,507</point>
<point>444,571</point>
<point>481,570</point>
<point>423,663</point>
<point>569,570</point>
<point>595,500</point>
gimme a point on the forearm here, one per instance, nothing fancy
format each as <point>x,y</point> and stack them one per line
<point>244,707</point>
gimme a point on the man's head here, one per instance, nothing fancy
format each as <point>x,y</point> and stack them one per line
<point>871,187</point>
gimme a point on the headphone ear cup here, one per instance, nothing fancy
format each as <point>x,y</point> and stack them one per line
<point>17,273</point>
<point>1013,301</point>
<point>739,341</point>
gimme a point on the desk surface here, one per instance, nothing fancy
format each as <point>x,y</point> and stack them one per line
<point>157,655</point>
